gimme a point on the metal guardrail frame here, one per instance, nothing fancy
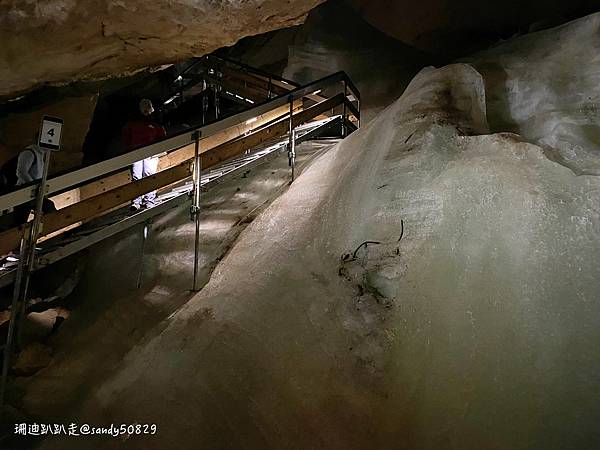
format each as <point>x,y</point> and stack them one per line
<point>244,67</point>
<point>80,176</point>
<point>95,171</point>
<point>57,254</point>
<point>252,70</point>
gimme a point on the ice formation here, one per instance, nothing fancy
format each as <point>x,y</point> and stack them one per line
<point>475,327</point>
<point>544,86</point>
<point>336,38</point>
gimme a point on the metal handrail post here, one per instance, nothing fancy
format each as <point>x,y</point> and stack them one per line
<point>196,206</point>
<point>12,323</point>
<point>216,101</point>
<point>35,231</point>
<point>292,141</point>
<point>21,288</point>
<point>344,106</point>
<point>138,284</point>
<point>203,102</point>
<point>84,174</point>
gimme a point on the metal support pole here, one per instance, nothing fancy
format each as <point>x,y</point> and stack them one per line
<point>35,230</point>
<point>358,118</point>
<point>345,112</point>
<point>143,253</point>
<point>21,288</point>
<point>292,141</point>
<point>181,90</point>
<point>216,102</point>
<point>195,209</point>
<point>203,101</point>
<point>11,325</point>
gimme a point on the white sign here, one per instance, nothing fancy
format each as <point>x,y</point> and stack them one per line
<point>50,133</point>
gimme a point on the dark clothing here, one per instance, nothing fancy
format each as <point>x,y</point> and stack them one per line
<point>21,212</point>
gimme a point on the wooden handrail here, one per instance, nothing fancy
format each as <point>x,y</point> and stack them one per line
<point>171,159</point>
<point>278,129</point>
<point>254,81</point>
<point>94,206</point>
<point>62,183</point>
<point>102,203</point>
<point>236,87</point>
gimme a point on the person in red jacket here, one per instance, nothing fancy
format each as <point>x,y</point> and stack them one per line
<point>139,133</point>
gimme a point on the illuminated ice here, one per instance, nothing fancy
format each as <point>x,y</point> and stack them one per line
<point>478,329</point>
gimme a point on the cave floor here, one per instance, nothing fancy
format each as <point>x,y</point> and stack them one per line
<point>110,316</point>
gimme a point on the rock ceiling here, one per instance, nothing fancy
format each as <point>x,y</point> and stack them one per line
<point>448,26</point>
<point>59,41</point>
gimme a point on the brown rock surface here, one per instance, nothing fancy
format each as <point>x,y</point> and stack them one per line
<point>17,130</point>
<point>58,41</point>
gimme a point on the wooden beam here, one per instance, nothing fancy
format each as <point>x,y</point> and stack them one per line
<point>210,142</point>
<point>253,81</point>
<point>278,87</point>
<point>319,108</point>
<point>104,202</point>
<point>91,189</point>
<point>92,207</point>
<point>256,95</point>
<point>172,159</point>
<point>244,74</point>
<point>230,149</point>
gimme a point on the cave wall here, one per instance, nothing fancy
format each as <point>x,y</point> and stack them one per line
<point>452,26</point>
<point>335,37</point>
<point>59,41</point>
<point>17,130</point>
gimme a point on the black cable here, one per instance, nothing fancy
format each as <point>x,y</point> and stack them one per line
<point>401,230</point>
<point>365,244</point>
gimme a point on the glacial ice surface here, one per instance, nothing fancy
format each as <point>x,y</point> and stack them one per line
<point>545,86</point>
<point>478,329</point>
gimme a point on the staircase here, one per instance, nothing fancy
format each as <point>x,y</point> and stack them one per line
<point>253,113</point>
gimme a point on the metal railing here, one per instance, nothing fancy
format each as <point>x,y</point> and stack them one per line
<point>89,173</point>
<point>28,236</point>
<point>216,62</point>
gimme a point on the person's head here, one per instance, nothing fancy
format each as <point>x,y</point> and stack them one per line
<point>146,107</point>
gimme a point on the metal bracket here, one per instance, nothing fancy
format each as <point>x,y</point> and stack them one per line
<point>193,211</point>
<point>292,141</point>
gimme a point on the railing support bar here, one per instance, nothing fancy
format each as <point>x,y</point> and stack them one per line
<point>344,114</point>
<point>195,209</point>
<point>292,142</point>
<point>25,268</point>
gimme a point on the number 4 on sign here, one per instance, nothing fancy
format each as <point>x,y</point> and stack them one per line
<point>50,133</point>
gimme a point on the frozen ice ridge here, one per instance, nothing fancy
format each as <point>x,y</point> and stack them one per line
<point>470,320</point>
